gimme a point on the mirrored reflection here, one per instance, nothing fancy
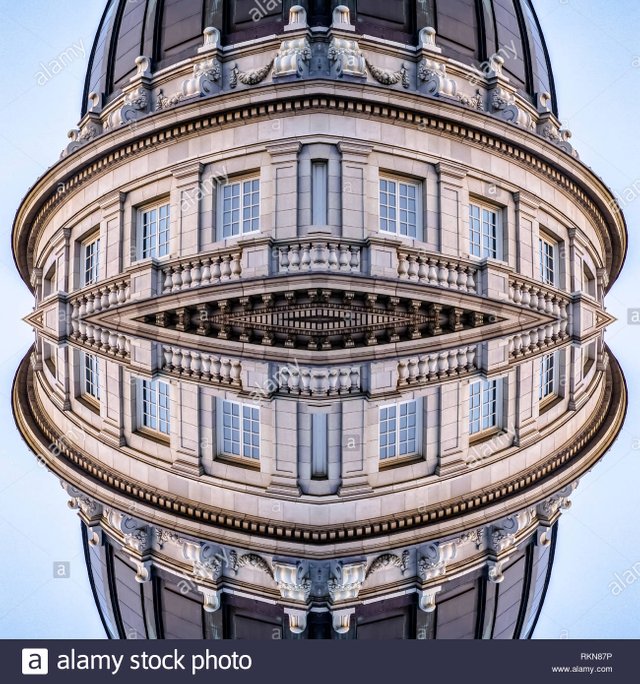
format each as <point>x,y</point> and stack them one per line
<point>232,486</point>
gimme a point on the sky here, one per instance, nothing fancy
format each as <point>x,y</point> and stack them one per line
<point>595,50</point>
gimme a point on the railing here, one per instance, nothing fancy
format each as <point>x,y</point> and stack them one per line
<point>320,382</point>
<point>437,271</point>
<point>201,366</point>
<point>538,297</point>
<point>437,366</point>
<point>532,341</point>
<point>100,339</point>
<point>319,256</point>
<point>201,271</point>
<point>101,297</point>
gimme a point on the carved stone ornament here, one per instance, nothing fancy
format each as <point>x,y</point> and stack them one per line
<point>293,581</point>
<point>143,570</point>
<point>556,503</point>
<point>163,537</point>
<point>473,101</point>
<point>387,76</point>
<point>435,557</point>
<point>212,600</point>
<point>251,560</point>
<point>206,561</point>
<point>504,105</point>
<point>297,620</point>
<point>292,58</point>
<point>494,570</point>
<point>347,57</point>
<point>427,599</point>
<point>250,78</point>
<point>390,560</point>
<point>434,76</point>
<point>347,580</point>
<point>503,535</point>
<point>136,103</point>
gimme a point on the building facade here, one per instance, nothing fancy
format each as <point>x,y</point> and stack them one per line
<point>319,313</point>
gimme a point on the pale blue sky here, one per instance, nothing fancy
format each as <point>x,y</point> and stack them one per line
<point>593,46</point>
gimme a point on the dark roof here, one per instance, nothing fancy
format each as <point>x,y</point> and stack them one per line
<point>169,31</point>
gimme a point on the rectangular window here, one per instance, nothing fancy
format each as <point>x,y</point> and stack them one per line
<point>484,232</point>
<point>548,262</point>
<point>240,430</point>
<point>399,207</point>
<point>154,405</point>
<point>319,193</point>
<point>548,387</point>
<point>154,232</point>
<point>319,446</point>
<point>399,430</point>
<point>240,208</point>
<point>91,376</point>
<point>483,406</point>
<point>90,262</point>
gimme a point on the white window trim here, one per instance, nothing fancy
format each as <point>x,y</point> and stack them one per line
<point>419,423</point>
<point>220,237</point>
<point>319,192</point>
<point>542,378</point>
<point>84,246</point>
<point>498,211</point>
<point>84,368</point>
<point>140,415</point>
<point>398,180</point>
<point>221,452</point>
<point>140,212</point>
<point>545,241</point>
<point>484,384</point>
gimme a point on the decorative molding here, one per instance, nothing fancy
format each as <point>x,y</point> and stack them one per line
<point>251,560</point>
<point>389,560</point>
<point>433,74</point>
<point>387,76</point>
<point>205,558</point>
<point>346,581</point>
<point>292,58</point>
<point>435,557</point>
<point>292,580</point>
<point>249,78</point>
<point>347,58</point>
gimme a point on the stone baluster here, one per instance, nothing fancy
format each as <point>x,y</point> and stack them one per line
<point>196,274</point>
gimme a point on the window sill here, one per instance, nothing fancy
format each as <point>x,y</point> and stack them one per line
<point>89,402</point>
<point>399,462</point>
<point>485,436</point>
<point>154,435</point>
<point>549,402</point>
<point>239,461</point>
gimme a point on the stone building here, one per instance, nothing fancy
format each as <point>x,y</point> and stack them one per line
<point>319,312</point>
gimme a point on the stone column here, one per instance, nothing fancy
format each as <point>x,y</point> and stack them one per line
<point>284,474</point>
<point>185,435</point>
<point>526,229</point>
<point>453,198</point>
<point>186,196</point>
<point>280,202</point>
<point>114,243</point>
<point>356,203</point>
<point>454,430</point>
<point>112,404</point>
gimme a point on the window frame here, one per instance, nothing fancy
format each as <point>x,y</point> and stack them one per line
<point>319,192</point>
<point>159,249</point>
<point>90,362</point>
<point>144,422</point>
<point>85,280</point>
<point>222,211</point>
<point>477,250</point>
<point>417,438</point>
<point>399,181</point>
<point>222,440</point>
<point>487,385</point>
<point>549,274</point>
<point>549,378</point>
